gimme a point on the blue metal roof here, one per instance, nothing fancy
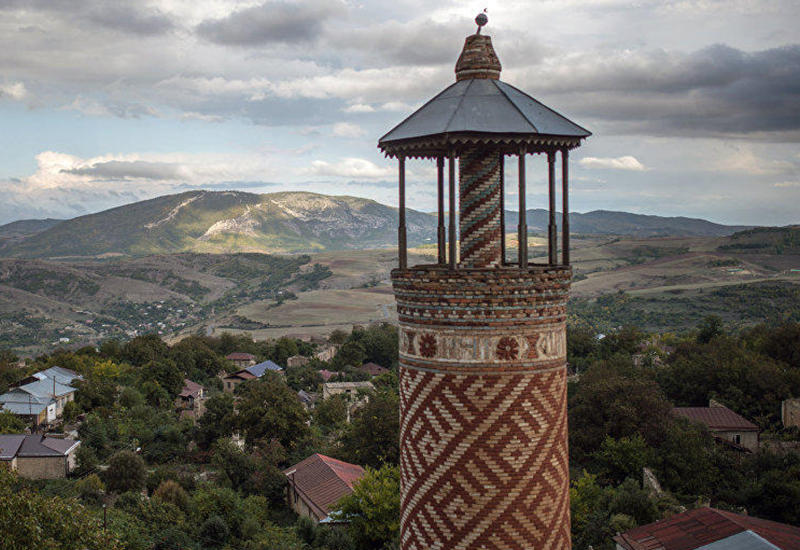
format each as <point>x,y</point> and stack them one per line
<point>484,106</point>
<point>746,540</point>
<point>259,369</point>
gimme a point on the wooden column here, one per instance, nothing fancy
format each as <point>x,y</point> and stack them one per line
<point>502,209</point>
<point>402,248</point>
<point>552,231</point>
<point>522,227</point>
<point>565,206</point>
<point>441,232</point>
<point>452,187</point>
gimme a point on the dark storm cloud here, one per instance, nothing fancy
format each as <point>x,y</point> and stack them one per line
<point>112,14</point>
<point>718,90</point>
<point>270,22</point>
<point>137,169</point>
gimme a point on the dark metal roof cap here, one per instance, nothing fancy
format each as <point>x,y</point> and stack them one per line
<point>484,106</point>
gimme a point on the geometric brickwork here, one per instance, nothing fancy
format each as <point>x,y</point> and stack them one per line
<point>479,196</point>
<point>483,423</point>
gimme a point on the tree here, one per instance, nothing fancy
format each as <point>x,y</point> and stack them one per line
<point>609,404</point>
<point>214,531</point>
<point>330,414</point>
<point>233,462</point>
<point>709,328</point>
<point>144,349</point>
<point>219,420</point>
<point>303,378</point>
<point>269,409</point>
<point>373,508</point>
<point>623,458</point>
<point>86,458</point>
<point>90,489</point>
<point>373,436</point>
<point>170,491</point>
<point>10,423</point>
<point>32,520</point>
<point>284,348</point>
<point>125,472</point>
<point>351,353</point>
<point>165,373</point>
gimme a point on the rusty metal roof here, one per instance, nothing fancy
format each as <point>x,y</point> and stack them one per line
<point>700,528</point>
<point>483,106</point>
<point>321,481</point>
<point>716,418</point>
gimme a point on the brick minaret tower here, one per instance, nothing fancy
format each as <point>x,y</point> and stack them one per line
<point>483,432</point>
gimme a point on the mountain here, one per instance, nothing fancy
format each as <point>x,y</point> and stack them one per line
<point>288,222</point>
<point>606,222</point>
<point>24,228</point>
<point>226,221</point>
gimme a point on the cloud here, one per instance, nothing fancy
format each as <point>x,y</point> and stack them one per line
<point>131,19</point>
<point>355,168</point>
<point>787,184</point>
<point>13,90</point>
<point>714,91</point>
<point>619,163</point>
<point>348,130</point>
<point>271,22</point>
<point>359,108</point>
<point>137,169</point>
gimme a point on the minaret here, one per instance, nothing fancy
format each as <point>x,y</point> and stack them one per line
<point>483,431</point>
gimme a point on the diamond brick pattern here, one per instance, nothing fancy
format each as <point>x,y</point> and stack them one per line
<point>484,461</point>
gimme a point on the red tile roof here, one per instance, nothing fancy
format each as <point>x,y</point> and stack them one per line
<point>327,374</point>
<point>696,528</point>
<point>190,389</point>
<point>716,418</point>
<point>321,481</point>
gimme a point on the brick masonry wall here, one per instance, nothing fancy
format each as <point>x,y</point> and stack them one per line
<point>483,434</point>
<point>42,467</point>
<point>479,200</point>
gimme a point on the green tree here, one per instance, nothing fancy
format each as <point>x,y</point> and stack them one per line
<point>623,458</point>
<point>31,520</point>
<point>170,491</point>
<point>90,489</point>
<point>125,472</point>
<point>330,414</point>
<point>10,423</point>
<point>373,436</point>
<point>144,349</point>
<point>709,328</point>
<point>373,508</point>
<point>269,409</point>
<point>219,420</point>
<point>214,532</point>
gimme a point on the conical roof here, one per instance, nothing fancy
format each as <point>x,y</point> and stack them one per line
<point>481,108</point>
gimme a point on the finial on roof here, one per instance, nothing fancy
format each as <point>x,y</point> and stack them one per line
<point>481,20</point>
<point>477,59</point>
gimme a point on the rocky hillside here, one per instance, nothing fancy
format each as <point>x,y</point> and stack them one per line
<point>230,221</point>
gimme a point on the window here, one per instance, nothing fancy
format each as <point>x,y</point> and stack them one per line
<point>737,439</point>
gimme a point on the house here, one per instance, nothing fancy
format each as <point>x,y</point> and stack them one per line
<point>374,369</point>
<point>326,353</point>
<point>38,457</point>
<point>790,412</point>
<point>307,399</point>
<point>318,482</point>
<point>252,372</point>
<point>710,529</point>
<point>189,402</point>
<point>41,397</point>
<point>241,360</point>
<point>327,374</point>
<point>724,424</point>
<point>297,361</point>
<point>350,389</point>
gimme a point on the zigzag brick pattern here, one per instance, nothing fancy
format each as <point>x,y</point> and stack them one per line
<point>479,221</point>
<point>483,424</point>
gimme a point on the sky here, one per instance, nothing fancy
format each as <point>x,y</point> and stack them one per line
<point>694,105</point>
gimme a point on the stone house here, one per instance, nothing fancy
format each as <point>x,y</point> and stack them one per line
<point>190,402</point>
<point>790,412</point>
<point>41,397</point>
<point>231,381</point>
<point>350,389</point>
<point>724,424</point>
<point>241,360</point>
<point>373,369</point>
<point>326,353</point>
<point>38,457</point>
<point>317,483</point>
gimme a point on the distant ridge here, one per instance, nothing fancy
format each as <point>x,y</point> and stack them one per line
<point>288,222</point>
